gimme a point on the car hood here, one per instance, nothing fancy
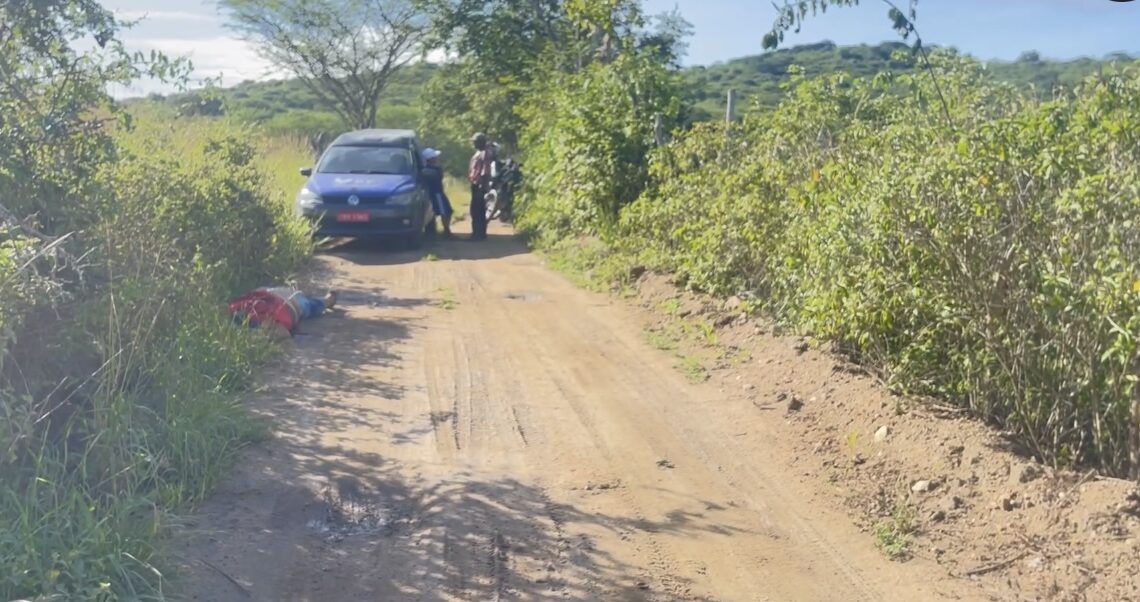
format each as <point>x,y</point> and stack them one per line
<point>333,184</point>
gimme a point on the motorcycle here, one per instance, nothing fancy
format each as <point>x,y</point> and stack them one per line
<point>504,184</point>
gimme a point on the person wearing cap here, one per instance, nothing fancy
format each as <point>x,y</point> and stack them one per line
<point>439,201</point>
<point>480,175</point>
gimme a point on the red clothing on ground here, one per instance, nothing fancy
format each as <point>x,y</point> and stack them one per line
<point>261,305</point>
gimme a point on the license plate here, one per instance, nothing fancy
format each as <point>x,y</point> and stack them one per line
<point>355,217</point>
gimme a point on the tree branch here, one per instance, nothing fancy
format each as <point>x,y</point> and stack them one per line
<point>344,51</point>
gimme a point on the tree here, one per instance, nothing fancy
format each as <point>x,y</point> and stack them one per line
<point>503,47</point>
<point>499,37</point>
<point>509,50</point>
<point>668,39</point>
<point>54,104</point>
<point>344,51</point>
<point>793,13</point>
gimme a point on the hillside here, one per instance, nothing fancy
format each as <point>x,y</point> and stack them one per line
<point>286,106</point>
<point>757,78</point>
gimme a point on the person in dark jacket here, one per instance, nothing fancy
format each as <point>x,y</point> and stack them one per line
<point>439,201</point>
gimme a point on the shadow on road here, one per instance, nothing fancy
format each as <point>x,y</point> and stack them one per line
<point>366,531</point>
<point>311,516</point>
<point>365,252</point>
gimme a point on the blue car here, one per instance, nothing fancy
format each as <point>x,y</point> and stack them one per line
<point>369,183</point>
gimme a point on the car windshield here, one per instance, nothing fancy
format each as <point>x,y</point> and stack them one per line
<point>367,160</point>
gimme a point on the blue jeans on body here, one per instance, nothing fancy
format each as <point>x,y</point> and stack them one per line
<point>311,307</point>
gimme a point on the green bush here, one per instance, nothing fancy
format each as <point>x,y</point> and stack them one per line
<point>119,391</point>
<point>587,136</point>
<point>989,260</point>
<point>121,236</point>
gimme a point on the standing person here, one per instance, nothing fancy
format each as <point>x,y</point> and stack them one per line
<point>439,201</point>
<point>479,174</point>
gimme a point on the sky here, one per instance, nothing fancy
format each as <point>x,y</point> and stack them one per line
<point>723,30</point>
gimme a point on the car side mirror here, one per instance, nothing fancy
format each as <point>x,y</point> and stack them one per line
<point>306,171</point>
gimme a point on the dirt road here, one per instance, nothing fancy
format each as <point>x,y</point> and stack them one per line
<point>471,426</point>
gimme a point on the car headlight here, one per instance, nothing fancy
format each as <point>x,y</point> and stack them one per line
<point>402,200</point>
<point>307,199</point>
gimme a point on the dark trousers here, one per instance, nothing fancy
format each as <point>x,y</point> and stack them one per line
<point>478,212</point>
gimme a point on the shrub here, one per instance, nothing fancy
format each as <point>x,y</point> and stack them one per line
<point>120,387</point>
<point>118,367</point>
<point>586,137</point>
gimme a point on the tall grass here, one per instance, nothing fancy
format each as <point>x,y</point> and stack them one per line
<point>459,192</point>
<point>122,395</point>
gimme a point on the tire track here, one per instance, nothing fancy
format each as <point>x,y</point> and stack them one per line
<point>499,559</point>
<point>566,460</point>
<point>641,383</point>
<point>645,383</point>
<point>519,427</point>
<point>776,500</point>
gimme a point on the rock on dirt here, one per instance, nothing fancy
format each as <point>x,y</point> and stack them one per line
<point>924,486</point>
<point>1026,473</point>
<point>955,455</point>
<point>882,434</point>
<point>603,486</point>
<point>795,404</point>
<point>801,347</point>
<point>1131,504</point>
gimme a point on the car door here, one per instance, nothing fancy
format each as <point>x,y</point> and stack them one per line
<point>418,162</point>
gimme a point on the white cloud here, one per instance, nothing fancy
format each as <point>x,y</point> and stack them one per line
<point>165,15</point>
<point>440,56</point>
<point>232,59</point>
<point>218,57</point>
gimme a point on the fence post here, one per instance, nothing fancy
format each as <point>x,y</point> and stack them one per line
<point>730,112</point>
<point>658,130</point>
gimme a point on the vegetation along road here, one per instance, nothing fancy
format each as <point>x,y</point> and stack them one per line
<point>876,338</point>
<point>476,428</point>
